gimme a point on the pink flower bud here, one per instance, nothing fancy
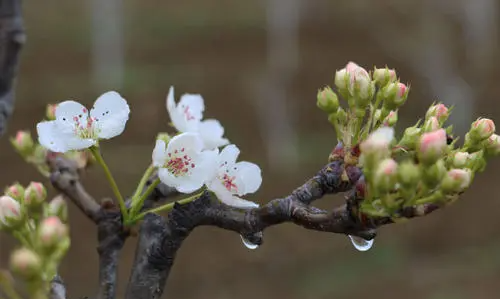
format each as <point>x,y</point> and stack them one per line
<point>15,191</point>
<point>50,111</point>
<point>360,85</point>
<point>395,95</point>
<point>378,142</point>
<point>35,194</point>
<point>431,124</point>
<point>482,129</point>
<point>25,263</point>
<point>391,119</point>
<point>58,207</point>
<point>52,231</point>
<point>440,111</point>
<point>10,210</point>
<point>432,146</point>
<point>456,181</point>
<point>386,175</point>
<point>327,100</point>
<point>23,143</point>
<point>384,76</point>
<point>460,159</point>
<point>492,145</point>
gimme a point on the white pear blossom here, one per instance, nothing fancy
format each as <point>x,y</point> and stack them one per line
<point>232,179</point>
<point>187,116</point>
<point>74,129</point>
<point>183,164</point>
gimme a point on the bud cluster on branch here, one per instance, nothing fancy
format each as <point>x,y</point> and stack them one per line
<point>389,178</point>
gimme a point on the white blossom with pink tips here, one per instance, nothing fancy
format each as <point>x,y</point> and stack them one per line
<point>235,179</point>
<point>187,115</point>
<point>9,209</point>
<point>183,164</point>
<point>75,128</point>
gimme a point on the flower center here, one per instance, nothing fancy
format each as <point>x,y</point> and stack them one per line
<point>179,164</point>
<point>85,130</point>
<point>188,114</point>
<point>228,182</point>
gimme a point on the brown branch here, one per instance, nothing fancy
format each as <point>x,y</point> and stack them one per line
<point>12,38</point>
<point>64,177</point>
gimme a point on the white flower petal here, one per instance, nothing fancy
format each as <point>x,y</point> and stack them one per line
<point>234,201</point>
<point>248,177</point>
<point>52,137</point>
<point>70,115</point>
<point>189,141</point>
<point>211,131</point>
<point>167,178</point>
<point>189,184</point>
<point>229,154</point>
<point>110,114</point>
<point>159,156</point>
<point>206,165</point>
<point>192,106</point>
<point>170,103</point>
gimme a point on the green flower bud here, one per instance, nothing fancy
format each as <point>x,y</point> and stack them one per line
<point>394,95</point>
<point>440,111</point>
<point>25,263</point>
<point>410,138</point>
<point>408,175</point>
<point>327,100</point>
<point>433,174</point>
<point>23,143</point>
<point>35,194</point>
<point>384,76</point>
<point>15,191</point>
<point>386,175</point>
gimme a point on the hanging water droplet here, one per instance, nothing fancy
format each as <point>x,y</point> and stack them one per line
<point>248,244</point>
<point>361,244</point>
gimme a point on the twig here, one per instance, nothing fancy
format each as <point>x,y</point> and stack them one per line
<point>12,38</point>
<point>64,177</point>
<point>57,288</point>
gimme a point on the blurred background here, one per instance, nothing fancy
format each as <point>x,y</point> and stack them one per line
<point>258,65</point>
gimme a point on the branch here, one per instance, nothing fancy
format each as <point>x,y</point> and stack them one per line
<point>57,288</point>
<point>12,38</point>
<point>64,177</point>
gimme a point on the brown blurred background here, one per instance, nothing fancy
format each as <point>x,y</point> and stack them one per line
<point>258,65</point>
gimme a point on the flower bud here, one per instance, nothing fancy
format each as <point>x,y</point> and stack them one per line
<point>395,95</point>
<point>35,194</point>
<point>361,87</point>
<point>385,175</point>
<point>58,207</point>
<point>341,116</point>
<point>384,76</point>
<point>25,263</point>
<point>10,212</point>
<point>432,146</point>
<point>433,174</point>
<point>391,119</point>
<point>482,129</point>
<point>342,82</point>
<point>23,143</point>
<point>439,111</point>
<point>477,162</point>
<point>378,143</point>
<point>50,112</point>
<point>52,231</point>
<point>327,100</point>
<point>431,124</point>
<point>408,175</point>
<point>456,181</point>
<point>410,138</point>
<point>492,145</point>
<point>15,191</point>
<point>460,159</point>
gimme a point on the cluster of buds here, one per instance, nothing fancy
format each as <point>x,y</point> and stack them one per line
<point>38,225</point>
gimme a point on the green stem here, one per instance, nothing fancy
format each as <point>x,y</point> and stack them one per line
<point>97,155</point>
<point>143,181</point>
<point>169,206</point>
<point>137,201</point>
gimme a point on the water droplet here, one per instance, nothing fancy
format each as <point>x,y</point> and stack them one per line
<point>248,244</point>
<point>361,244</point>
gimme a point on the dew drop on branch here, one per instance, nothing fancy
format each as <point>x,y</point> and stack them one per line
<point>248,244</point>
<point>360,243</point>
